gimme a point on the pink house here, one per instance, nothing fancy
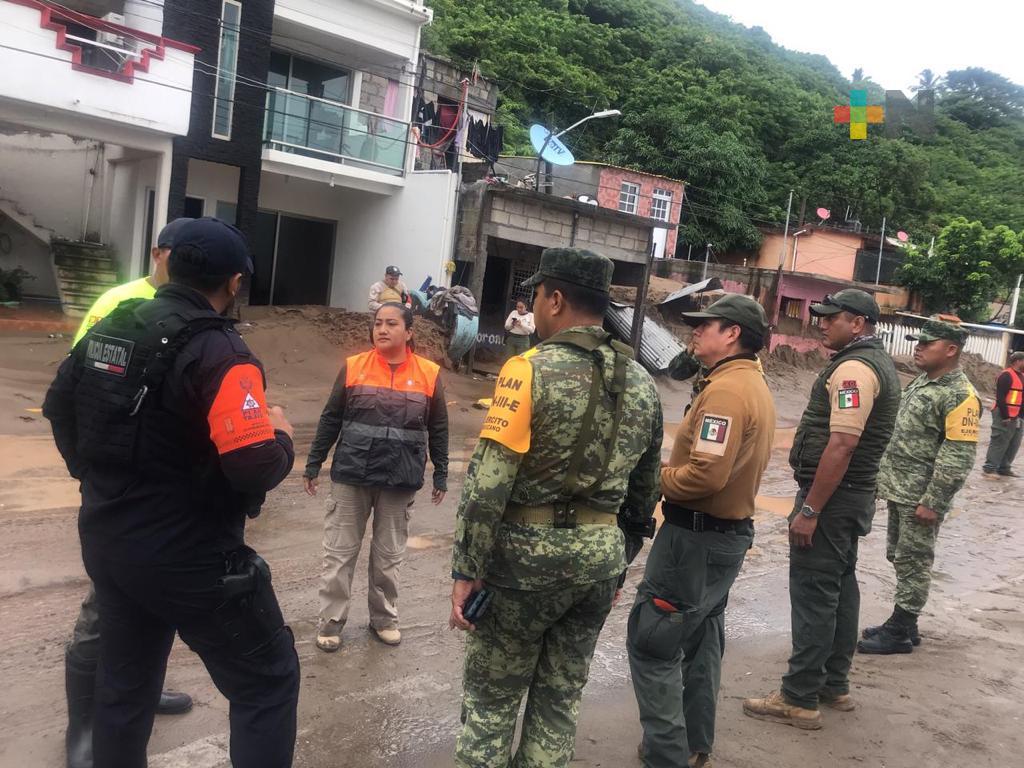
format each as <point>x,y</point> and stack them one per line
<point>642,194</point>
<point>609,186</point>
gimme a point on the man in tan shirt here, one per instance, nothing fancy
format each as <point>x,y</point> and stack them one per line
<point>676,630</point>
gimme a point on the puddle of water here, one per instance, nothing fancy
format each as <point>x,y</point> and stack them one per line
<point>428,542</point>
<point>780,506</point>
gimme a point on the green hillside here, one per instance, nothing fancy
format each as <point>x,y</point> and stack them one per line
<point>741,119</point>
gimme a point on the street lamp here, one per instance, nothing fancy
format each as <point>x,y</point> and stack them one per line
<point>540,157</point>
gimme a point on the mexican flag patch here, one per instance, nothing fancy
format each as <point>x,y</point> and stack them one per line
<point>714,429</point>
<point>849,398</point>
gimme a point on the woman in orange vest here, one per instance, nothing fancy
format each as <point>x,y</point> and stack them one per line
<point>386,409</point>
<point>1006,419</point>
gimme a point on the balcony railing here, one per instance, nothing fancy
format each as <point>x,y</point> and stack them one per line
<point>327,130</point>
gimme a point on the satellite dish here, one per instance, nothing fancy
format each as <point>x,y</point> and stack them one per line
<point>824,213</point>
<point>555,152</point>
<point>902,236</point>
<point>588,199</point>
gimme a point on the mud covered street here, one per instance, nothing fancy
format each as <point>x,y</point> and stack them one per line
<point>954,701</point>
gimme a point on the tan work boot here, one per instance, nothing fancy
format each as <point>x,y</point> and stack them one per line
<point>390,636</point>
<point>776,709</point>
<point>328,636</point>
<point>842,702</point>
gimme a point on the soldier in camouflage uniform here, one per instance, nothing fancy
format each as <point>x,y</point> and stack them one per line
<point>573,436</point>
<point>930,455</point>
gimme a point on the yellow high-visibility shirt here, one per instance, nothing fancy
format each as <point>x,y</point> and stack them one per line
<point>105,304</point>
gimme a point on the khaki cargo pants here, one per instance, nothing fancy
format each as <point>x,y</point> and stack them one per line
<point>348,509</point>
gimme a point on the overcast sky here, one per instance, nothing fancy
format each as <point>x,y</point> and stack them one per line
<point>893,40</point>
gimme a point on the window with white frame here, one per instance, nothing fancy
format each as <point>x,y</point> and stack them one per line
<point>629,195</point>
<point>661,204</point>
<point>227,63</point>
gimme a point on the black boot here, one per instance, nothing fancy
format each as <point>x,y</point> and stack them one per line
<point>869,632</point>
<point>172,703</point>
<point>80,683</point>
<point>892,637</point>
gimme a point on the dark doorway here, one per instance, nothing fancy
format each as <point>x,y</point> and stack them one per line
<point>263,245</point>
<point>292,258</point>
<point>194,207</point>
<point>148,236</point>
<point>305,249</point>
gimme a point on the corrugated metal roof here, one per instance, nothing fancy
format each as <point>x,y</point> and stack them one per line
<point>711,284</point>
<point>658,345</point>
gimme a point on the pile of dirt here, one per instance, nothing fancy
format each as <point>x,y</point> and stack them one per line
<point>658,289</point>
<point>982,373</point>
<point>785,356</point>
<point>349,331</point>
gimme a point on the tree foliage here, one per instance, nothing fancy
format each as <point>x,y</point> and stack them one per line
<point>969,267</point>
<point>741,120</point>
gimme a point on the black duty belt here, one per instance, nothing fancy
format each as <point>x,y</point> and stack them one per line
<point>700,522</point>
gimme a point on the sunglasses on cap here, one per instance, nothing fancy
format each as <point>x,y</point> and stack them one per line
<point>831,301</point>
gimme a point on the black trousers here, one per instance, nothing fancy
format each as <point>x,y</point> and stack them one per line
<point>246,647</point>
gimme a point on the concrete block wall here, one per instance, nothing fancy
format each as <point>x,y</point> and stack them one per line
<point>372,93</point>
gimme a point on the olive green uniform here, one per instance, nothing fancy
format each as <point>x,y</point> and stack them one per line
<point>823,591</point>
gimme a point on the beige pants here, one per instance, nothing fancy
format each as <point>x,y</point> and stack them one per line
<point>344,525</point>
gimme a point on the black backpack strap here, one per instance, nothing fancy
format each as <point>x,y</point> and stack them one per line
<point>171,336</point>
<point>571,488</point>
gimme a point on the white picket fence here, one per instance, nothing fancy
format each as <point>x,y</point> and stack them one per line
<point>989,345</point>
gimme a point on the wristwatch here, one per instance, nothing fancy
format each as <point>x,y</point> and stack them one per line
<point>808,511</point>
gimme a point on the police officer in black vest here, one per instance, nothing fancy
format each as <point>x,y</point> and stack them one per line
<point>160,412</point>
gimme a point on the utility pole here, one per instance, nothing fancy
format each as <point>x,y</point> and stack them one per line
<point>785,231</point>
<point>707,253</point>
<point>1013,304</point>
<point>881,242</point>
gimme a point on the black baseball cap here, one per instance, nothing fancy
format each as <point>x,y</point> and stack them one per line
<point>737,308</point>
<point>851,300</point>
<point>225,247</point>
<point>166,237</point>
<point>393,271</point>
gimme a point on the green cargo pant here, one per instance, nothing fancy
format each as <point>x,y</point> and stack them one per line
<point>825,599</point>
<point>910,547</point>
<point>534,643</point>
<point>676,657</point>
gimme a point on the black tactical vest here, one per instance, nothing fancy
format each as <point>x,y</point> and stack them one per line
<point>813,433</point>
<point>119,411</point>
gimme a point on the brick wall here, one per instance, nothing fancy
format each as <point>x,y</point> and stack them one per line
<point>610,185</point>
<point>191,21</point>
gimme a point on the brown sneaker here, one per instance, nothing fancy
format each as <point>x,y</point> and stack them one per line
<point>390,636</point>
<point>699,760</point>
<point>842,702</point>
<point>328,636</point>
<point>776,709</point>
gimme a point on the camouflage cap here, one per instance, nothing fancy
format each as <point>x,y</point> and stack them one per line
<point>850,300</point>
<point>936,330</point>
<point>735,307</point>
<point>574,265</point>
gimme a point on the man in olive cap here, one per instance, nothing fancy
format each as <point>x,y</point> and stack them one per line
<point>928,459</point>
<point>573,436</point>
<point>676,630</point>
<point>836,452</point>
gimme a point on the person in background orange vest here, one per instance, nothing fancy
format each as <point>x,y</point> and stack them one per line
<point>1006,419</point>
